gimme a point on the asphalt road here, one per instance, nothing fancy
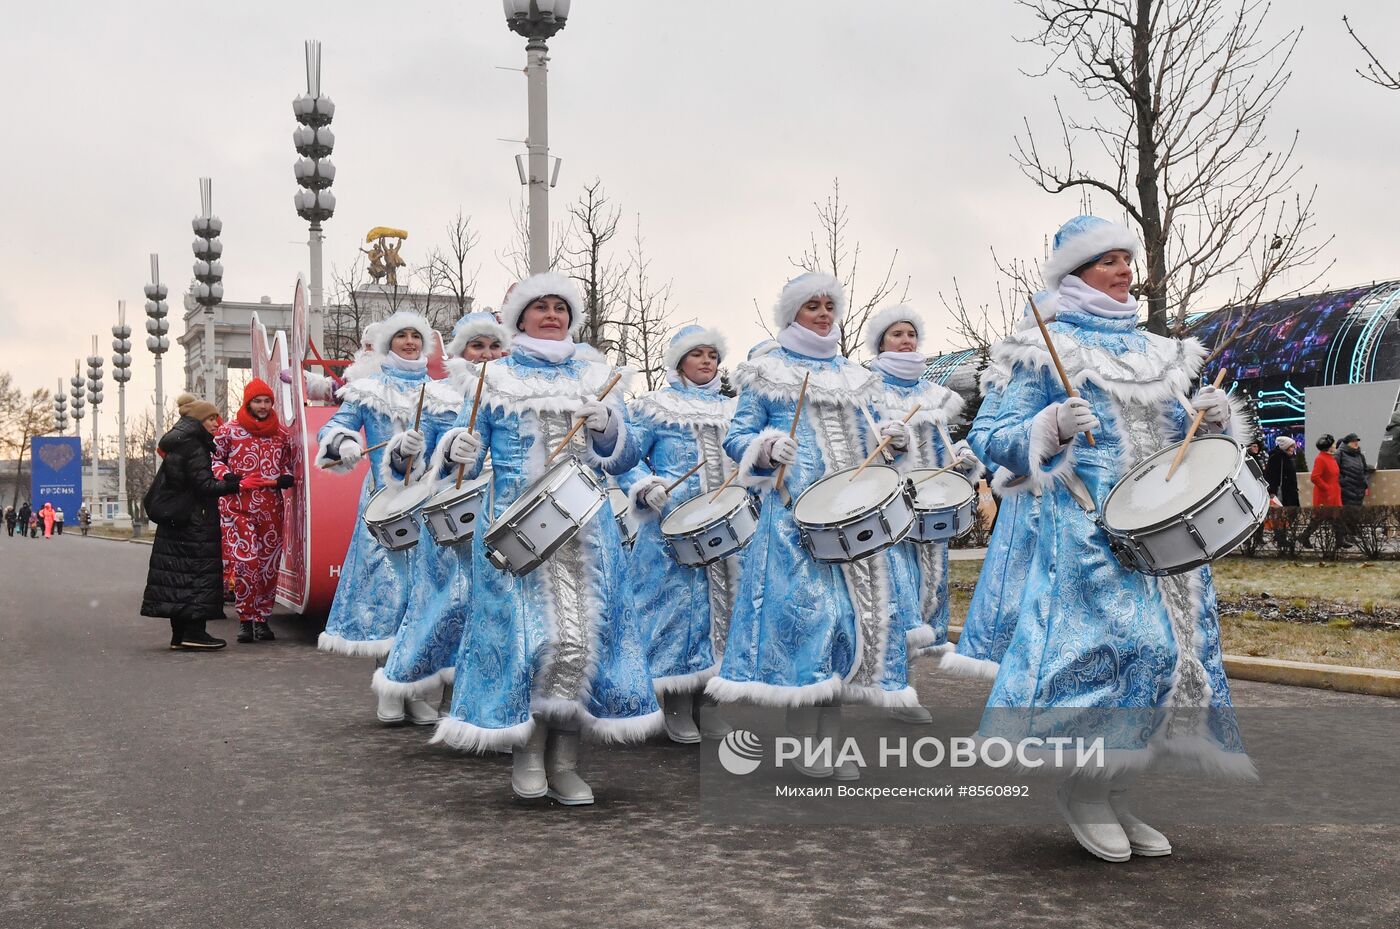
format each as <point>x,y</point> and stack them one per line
<point>253,788</point>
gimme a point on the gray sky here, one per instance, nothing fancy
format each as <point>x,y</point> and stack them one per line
<point>717,122</point>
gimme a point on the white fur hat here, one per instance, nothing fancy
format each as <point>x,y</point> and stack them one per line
<point>763,348</point>
<point>1082,240</point>
<point>550,283</point>
<point>803,288</point>
<point>689,338</point>
<point>875,327</point>
<point>380,334</point>
<point>473,325</point>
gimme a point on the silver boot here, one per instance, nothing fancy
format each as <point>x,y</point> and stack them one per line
<point>1083,802</point>
<point>561,767</point>
<point>527,772</point>
<point>678,718</point>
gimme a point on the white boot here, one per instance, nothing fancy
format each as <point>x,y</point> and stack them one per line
<point>527,777</point>
<point>803,722</point>
<point>708,719</point>
<point>678,718</point>
<point>913,715</point>
<point>422,710</point>
<point>561,766</point>
<point>829,731</point>
<point>1142,838</point>
<point>1083,802</point>
<point>390,709</point>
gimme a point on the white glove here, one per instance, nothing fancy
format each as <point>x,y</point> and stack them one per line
<point>351,451</point>
<point>778,450</point>
<point>1215,402</point>
<point>656,496</point>
<point>595,414</point>
<point>897,432</point>
<point>465,446</point>
<point>412,443</point>
<point>964,453</point>
<point>1073,416</point>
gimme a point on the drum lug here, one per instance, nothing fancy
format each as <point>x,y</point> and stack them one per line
<point>498,561</point>
<point>1242,500</point>
<point>1196,537</point>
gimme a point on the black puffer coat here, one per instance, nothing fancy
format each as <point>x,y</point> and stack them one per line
<point>185,580</point>
<point>1352,463</point>
<point>1281,473</point>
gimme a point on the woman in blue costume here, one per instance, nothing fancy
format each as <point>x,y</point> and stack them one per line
<point>806,634</point>
<point>558,650</point>
<point>688,608</point>
<point>375,583</point>
<point>424,655</point>
<point>892,336</point>
<point>1100,651</point>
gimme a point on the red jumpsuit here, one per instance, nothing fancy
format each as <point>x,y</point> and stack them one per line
<point>252,518</point>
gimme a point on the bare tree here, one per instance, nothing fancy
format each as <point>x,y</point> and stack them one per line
<point>515,258</point>
<point>643,324</point>
<point>22,417</point>
<point>453,268</point>
<point>832,251</point>
<point>1177,94</point>
<point>141,460</point>
<point>587,257</point>
<point>1375,72</point>
<point>980,327</point>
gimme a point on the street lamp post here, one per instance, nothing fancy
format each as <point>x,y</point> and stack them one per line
<point>315,202</point>
<point>157,334</point>
<point>121,373</point>
<point>209,275</point>
<point>538,21</point>
<point>94,396</point>
<point>60,409</point>
<point>75,393</point>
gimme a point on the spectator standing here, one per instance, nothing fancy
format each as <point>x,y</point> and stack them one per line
<point>10,520</point>
<point>1255,450</point>
<point>184,583</point>
<point>1354,472</point>
<point>1388,458</point>
<point>22,517</point>
<point>1281,473</point>
<point>84,518</point>
<point>34,525</point>
<point>58,520</point>
<point>46,518</point>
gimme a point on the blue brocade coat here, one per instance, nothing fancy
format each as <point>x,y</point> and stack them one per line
<point>803,632</point>
<point>686,609</point>
<point>375,583</point>
<point>1100,650</point>
<point>561,641</point>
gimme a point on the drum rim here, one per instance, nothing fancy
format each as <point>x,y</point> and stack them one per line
<point>901,487</point>
<point>1205,501</point>
<point>408,512</point>
<point>971,497</point>
<point>745,497</point>
<point>450,494</point>
<point>556,472</point>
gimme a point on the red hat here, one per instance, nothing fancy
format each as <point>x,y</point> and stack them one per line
<point>257,387</point>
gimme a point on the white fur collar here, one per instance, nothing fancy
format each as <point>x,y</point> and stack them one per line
<point>1166,369</point>
<point>688,408</point>
<point>779,374</point>
<point>398,398</point>
<point>936,403</point>
<point>517,388</point>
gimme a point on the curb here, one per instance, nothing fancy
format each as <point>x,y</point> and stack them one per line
<point>1370,681</point>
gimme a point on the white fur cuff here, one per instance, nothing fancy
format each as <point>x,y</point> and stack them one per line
<point>1048,455</point>
<point>749,464</point>
<point>636,497</point>
<point>328,449</point>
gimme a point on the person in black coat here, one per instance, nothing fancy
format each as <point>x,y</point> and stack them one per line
<point>1281,473</point>
<point>22,518</point>
<point>185,579</point>
<point>1355,472</point>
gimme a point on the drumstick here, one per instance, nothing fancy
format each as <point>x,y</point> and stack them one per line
<point>727,481</point>
<point>681,480</point>
<point>577,425</point>
<point>883,442</point>
<point>1191,433</point>
<point>1055,357</point>
<point>476,404</point>
<point>417,421</point>
<point>943,434</point>
<point>792,434</point>
<point>932,475</point>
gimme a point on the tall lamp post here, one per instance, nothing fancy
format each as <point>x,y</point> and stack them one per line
<point>94,396</point>
<point>121,373</point>
<point>537,21</point>
<point>157,334</point>
<point>209,275</point>
<point>75,394</point>
<point>315,203</point>
<point>60,409</point>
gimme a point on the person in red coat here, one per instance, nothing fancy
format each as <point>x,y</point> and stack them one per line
<point>255,445</point>
<point>1326,477</point>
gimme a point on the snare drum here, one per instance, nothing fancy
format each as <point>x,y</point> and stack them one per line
<point>452,513</point>
<point>945,506</point>
<point>392,515</point>
<point>547,514</point>
<point>1214,502</point>
<point>706,528</point>
<point>842,520</point>
<point>622,512</point>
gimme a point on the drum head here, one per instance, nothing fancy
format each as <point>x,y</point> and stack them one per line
<point>452,492</point>
<point>836,498</point>
<point>1144,497</point>
<point>619,501</point>
<point>699,512</point>
<point>531,492</point>
<point>948,489</point>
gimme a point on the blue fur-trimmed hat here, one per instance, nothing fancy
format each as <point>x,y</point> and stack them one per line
<point>1085,239</point>
<point>804,287</point>
<point>381,333</point>
<point>884,319</point>
<point>689,338</point>
<point>550,283</point>
<point>475,324</point>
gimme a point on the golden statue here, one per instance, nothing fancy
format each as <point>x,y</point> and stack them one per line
<point>384,260</point>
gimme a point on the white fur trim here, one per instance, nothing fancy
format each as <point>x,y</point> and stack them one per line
<point>803,288</point>
<point>685,407</point>
<point>1082,248</point>
<point>455,733</point>
<point>631,729</point>
<point>354,648</point>
<point>934,651</point>
<point>878,696</point>
<point>550,283</point>
<point>513,389</point>
<point>328,449</point>
<point>684,683</point>
<point>686,342</point>
<point>1164,371</point>
<point>1045,445</point>
<point>387,474</point>
<point>1002,486</point>
<point>757,692</point>
<point>400,403</point>
<point>937,404</point>
<point>1192,754</point>
<point>778,376</point>
<point>438,465</point>
<point>957,665</point>
<point>875,326</point>
<point>471,330</point>
<point>749,461</point>
<point>383,332</point>
<point>590,453</point>
<point>410,690</point>
<point>920,637</point>
<point>640,510</point>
